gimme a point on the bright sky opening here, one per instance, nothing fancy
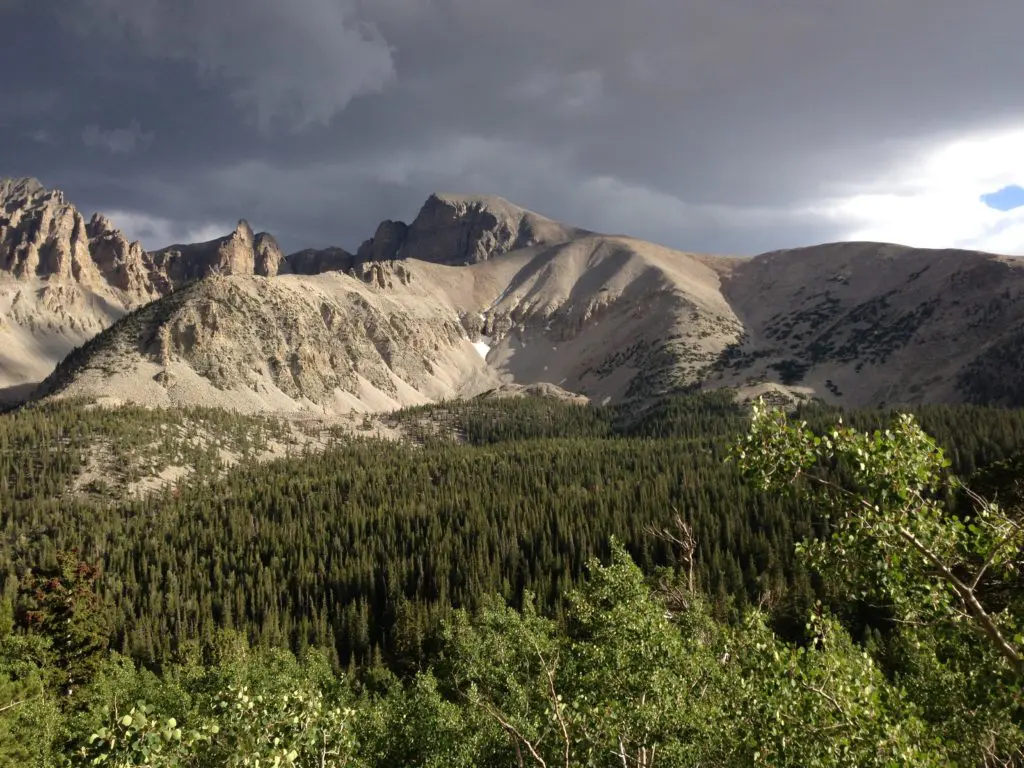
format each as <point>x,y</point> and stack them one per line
<point>1005,199</point>
<point>966,194</point>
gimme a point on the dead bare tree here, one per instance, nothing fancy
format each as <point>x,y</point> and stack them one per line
<point>679,535</point>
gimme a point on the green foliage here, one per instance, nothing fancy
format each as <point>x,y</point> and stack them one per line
<point>826,703</point>
<point>466,565</point>
<point>947,578</point>
<point>29,713</point>
<point>363,549</point>
<point>632,678</point>
<point>61,604</point>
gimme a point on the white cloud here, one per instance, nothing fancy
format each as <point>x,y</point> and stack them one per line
<point>936,201</point>
<point>155,232</point>
<point>117,141</point>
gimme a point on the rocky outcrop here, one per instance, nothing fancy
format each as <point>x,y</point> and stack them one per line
<point>314,261</point>
<point>269,258</point>
<point>458,229</point>
<point>453,230</point>
<point>64,279</point>
<point>122,263</point>
<point>242,252</point>
<point>326,343</point>
<point>44,236</point>
<point>382,274</point>
<point>466,230</point>
<point>385,243</point>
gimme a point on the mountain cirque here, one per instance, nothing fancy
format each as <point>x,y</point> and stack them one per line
<point>477,295</point>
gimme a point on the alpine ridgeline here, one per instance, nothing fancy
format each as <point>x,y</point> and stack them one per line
<point>476,295</point>
<point>64,279</point>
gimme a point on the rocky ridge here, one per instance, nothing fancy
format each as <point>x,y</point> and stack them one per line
<point>478,294</point>
<point>463,229</point>
<point>243,252</point>
<point>454,230</point>
<point>64,279</point>
<point>328,343</point>
<point>879,324</point>
<point>42,236</point>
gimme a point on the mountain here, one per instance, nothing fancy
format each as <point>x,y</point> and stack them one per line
<point>477,294</point>
<point>64,279</point>
<point>455,230</point>
<point>606,317</point>
<point>327,343</point>
<point>461,229</point>
<point>879,324</point>
<point>243,252</point>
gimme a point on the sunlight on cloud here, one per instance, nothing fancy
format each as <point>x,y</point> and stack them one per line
<point>155,232</point>
<point>940,205</point>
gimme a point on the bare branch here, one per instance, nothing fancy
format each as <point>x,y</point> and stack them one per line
<point>553,693</point>
<point>513,731</point>
<point>622,753</point>
<point>18,703</point>
<point>970,600</point>
<point>986,624</point>
<point>831,700</point>
<point>683,538</point>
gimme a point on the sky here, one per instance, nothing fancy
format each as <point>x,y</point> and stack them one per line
<point>721,126</point>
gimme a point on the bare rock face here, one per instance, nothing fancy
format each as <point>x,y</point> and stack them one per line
<point>385,243</point>
<point>123,264</point>
<point>382,274</point>
<point>325,343</point>
<point>63,279</point>
<point>240,253</point>
<point>314,261</point>
<point>453,230</point>
<point>269,259</point>
<point>458,230</point>
<point>42,235</point>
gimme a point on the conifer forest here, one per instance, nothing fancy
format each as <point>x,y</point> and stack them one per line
<point>515,582</point>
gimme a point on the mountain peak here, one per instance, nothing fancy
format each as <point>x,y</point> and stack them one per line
<point>242,229</point>
<point>459,229</point>
<point>41,235</point>
<point>25,186</point>
<point>465,229</point>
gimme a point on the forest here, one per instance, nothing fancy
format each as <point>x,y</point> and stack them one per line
<point>520,582</point>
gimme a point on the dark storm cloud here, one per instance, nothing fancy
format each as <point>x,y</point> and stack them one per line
<point>293,64</point>
<point>117,140</point>
<point>706,124</point>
